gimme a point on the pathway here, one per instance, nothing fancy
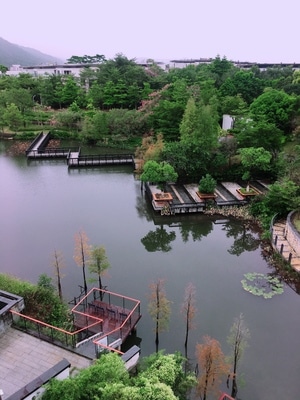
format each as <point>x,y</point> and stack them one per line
<point>283,246</point>
<point>24,358</point>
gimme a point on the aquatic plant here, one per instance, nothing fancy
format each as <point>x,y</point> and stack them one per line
<point>262,285</point>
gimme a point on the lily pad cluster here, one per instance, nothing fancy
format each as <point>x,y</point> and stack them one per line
<point>262,285</point>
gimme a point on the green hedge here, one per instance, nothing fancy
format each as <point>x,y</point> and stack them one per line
<point>40,303</point>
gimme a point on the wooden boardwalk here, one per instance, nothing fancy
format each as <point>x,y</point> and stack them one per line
<point>38,150</point>
<point>185,198</point>
<point>78,161</point>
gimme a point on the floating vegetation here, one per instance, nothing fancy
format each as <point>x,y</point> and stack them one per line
<point>262,285</point>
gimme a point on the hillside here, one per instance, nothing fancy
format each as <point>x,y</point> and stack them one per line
<point>14,54</point>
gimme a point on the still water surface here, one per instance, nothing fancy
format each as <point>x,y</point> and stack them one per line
<point>42,206</point>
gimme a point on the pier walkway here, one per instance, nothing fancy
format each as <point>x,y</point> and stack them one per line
<point>186,198</point>
<point>38,150</point>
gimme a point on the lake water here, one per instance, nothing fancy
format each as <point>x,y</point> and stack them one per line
<point>43,205</point>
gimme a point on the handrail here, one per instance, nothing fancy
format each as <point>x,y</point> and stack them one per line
<point>272,224</point>
<point>118,329</point>
<point>32,144</point>
<point>36,321</point>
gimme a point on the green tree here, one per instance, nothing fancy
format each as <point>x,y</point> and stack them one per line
<point>260,134</point>
<point>243,83</point>
<point>3,69</point>
<point>276,107</point>
<point>107,378</point>
<point>158,173</point>
<point>98,264</point>
<point>2,118</point>
<point>69,119</point>
<point>208,131</point>
<point>282,197</point>
<point>238,341</point>
<point>220,69</point>
<point>232,105</point>
<point>254,160</point>
<point>100,124</point>
<point>13,117</point>
<point>86,59</point>
<point>188,160</point>
<point>167,369</point>
<point>20,97</point>
<point>190,121</point>
<point>70,91</point>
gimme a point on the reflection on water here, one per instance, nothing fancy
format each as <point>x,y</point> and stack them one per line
<point>43,205</point>
<point>159,240</point>
<point>244,238</point>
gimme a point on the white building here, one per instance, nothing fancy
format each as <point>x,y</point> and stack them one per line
<point>51,69</point>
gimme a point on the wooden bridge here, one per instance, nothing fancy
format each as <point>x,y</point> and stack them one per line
<point>77,161</point>
<point>38,150</point>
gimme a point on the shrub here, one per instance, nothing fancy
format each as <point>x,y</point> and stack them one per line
<point>40,302</point>
<point>207,184</point>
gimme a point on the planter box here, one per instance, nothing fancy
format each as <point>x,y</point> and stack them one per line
<point>252,192</point>
<point>162,197</point>
<point>206,196</point>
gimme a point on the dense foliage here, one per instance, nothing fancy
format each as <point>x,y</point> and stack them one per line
<point>41,300</point>
<point>160,377</point>
<point>173,118</point>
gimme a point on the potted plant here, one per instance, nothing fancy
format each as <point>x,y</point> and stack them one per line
<point>253,159</point>
<point>207,186</point>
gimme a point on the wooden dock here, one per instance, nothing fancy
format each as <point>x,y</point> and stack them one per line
<point>78,161</point>
<point>185,198</point>
<point>38,150</point>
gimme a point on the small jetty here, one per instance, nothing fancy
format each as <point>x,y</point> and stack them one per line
<point>181,199</point>
<point>39,149</point>
<point>75,160</point>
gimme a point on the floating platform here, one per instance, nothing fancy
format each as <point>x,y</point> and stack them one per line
<point>181,199</point>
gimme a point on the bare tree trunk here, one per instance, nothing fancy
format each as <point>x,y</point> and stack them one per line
<point>83,268</point>
<point>157,318</point>
<point>187,328</point>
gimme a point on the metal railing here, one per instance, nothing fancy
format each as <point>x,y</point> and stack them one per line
<point>52,333</point>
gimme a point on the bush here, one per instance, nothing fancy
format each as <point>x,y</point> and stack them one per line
<point>40,302</point>
<point>207,184</point>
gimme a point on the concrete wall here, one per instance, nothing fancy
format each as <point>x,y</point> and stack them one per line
<point>291,234</point>
<point>227,122</point>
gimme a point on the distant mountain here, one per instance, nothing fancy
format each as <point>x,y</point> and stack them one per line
<point>14,54</point>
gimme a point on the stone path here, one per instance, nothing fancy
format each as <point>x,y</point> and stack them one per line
<point>283,246</point>
<point>24,358</point>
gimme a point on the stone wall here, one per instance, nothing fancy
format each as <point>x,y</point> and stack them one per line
<point>291,233</point>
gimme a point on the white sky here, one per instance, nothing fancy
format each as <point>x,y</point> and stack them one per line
<point>253,30</point>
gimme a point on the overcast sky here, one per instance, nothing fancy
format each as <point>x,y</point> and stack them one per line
<point>256,30</point>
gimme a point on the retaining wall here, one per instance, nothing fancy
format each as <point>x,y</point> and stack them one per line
<point>291,233</point>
